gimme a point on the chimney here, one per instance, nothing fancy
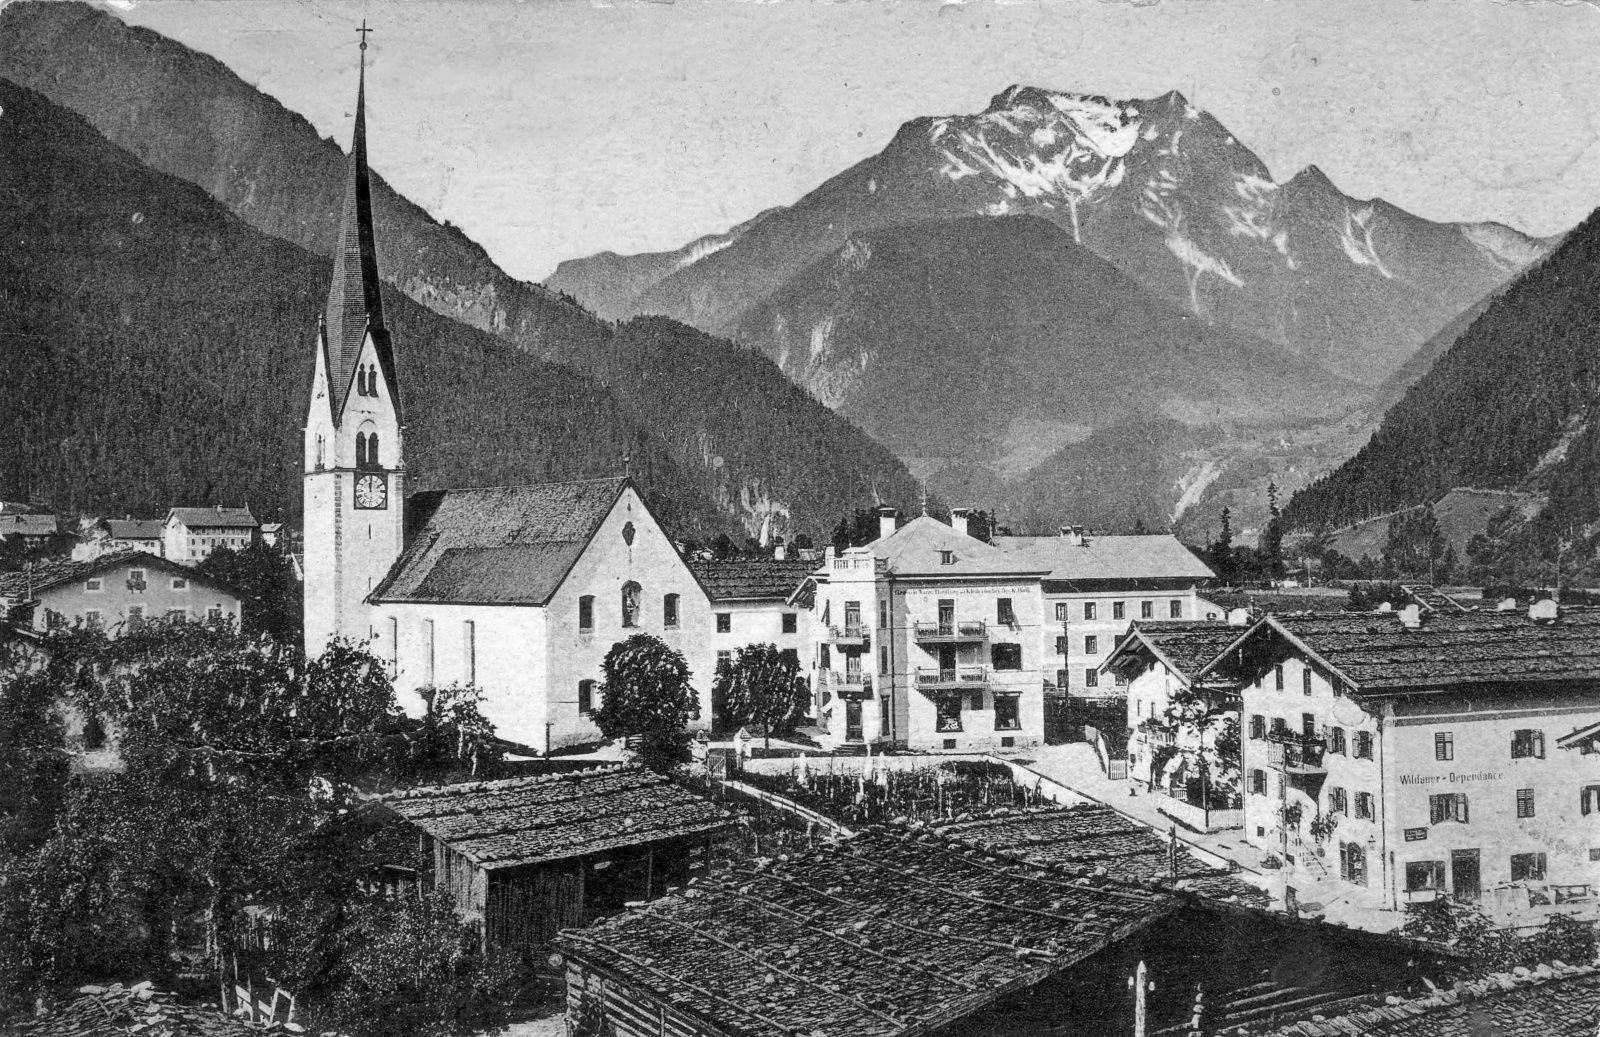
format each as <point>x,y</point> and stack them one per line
<point>1544,610</point>
<point>1385,607</point>
<point>886,520</point>
<point>1073,535</point>
<point>958,521</point>
<point>1411,616</point>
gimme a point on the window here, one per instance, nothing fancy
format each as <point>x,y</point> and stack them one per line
<point>1444,745</point>
<point>1175,609</point>
<point>94,586</point>
<point>427,633</point>
<point>361,449</point>
<point>1061,679</point>
<point>91,619</point>
<point>1006,657</point>
<point>179,583</point>
<point>1589,799</point>
<point>1422,875</point>
<point>1091,678</point>
<point>669,611</point>
<point>1061,612</point>
<point>1088,610</point>
<point>1119,610</point>
<point>214,614</point>
<point>135,617</point>
<point>883,658</point>
<point>1007,717</point>
<point>975,701</point>
<point>1091,645</point>
<point>1258,782</point>
<point>1527,743</point>
<point>724,622</point>
<point>1447,806</point>
<point>321,451</point>
<point>949,713</point>
<point>947,558</point>
<point>1527,867</point>
<point>724,661</point>
<point>586,612</point>
<point>1147,610</point>
<point>1364,805</point>
<point>883,615</point>
<point>1336,740</point>
<point>791,620</point>
<point>825,656</point>
<point>177,615</point>
<point>1277,677</point>
<point>1308,725</point>
<point>1280,726</point>
<point>469,649</point>
<point>1305,680</point>
<point>1061,646</point>
<point>1363,746</point>
<point>94,733</point>
<point>372,450</point>
<point>1338,801</point>
<point>630,604</point>
<point>1524,802</point>
<point>1258,726</point>
<point>586,696</point>
<point>1005,615</point>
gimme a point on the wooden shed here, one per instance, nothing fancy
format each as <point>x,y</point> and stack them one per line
<point>527,857</point>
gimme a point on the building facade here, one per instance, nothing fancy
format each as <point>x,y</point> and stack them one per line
<point>757,601</point>
<point>929,638</point>
<point>115,593</point>
<point>189,535</point>
<point>1416,755</point>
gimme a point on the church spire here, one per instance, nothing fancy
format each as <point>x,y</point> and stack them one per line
<point>355,297</point>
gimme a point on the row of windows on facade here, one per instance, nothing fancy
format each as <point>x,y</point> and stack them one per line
<point>1430,875</point>
<point>135,617</point>
<point>366,451</point>
<point>1002,656</point>
<point>1091,645</point>
<point>1119,610</point>
<point>1005,614</point>
<point>631,607</point>
<point>1526,743</point>
<point>137,581</point>
<point>947,718</point>
<point>1360,747</point>
<point>1442,807</point>
<point>367,380</point>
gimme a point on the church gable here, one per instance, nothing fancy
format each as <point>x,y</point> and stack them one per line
<point>508,545</point>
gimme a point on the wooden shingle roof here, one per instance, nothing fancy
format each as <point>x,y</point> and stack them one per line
<point>1547,1001</point>
<point>116,1011</point>
<point>501,545</point>
<point>514,822</point>
<point>886,933</point>
<point>751,579</point>
<point>1186,646</point>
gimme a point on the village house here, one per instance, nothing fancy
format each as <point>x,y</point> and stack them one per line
<point>110,536</point>
<point>189,535</point>
<point>753,601</point>
<point>928,638</point>
<point>114,592</point>
<point>1095,585</point>
<point>1406,756</point>
<point>1184,731</point>
<point>526,857</point>
<point>35,528</point>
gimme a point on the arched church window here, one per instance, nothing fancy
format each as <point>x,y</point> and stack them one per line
<point>630,604</point>
<point>361,449</point>
<point>320,451</point>
<point>372,450</point>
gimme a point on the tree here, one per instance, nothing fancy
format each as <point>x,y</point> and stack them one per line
<point>1270,548</point>
<point>646,692</point>
<point>1415,547</point>
<point>266,579</point>
<point>763,686</point>
<point>1220,552</point>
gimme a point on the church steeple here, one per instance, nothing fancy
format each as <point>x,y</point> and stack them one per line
<point>355,297</point>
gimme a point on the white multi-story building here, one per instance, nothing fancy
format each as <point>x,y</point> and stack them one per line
<point>190,535</point>
<point>1095,586</point>
<point>753,601</point>
<point>929,638</point>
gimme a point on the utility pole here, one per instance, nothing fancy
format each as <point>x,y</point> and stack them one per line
<point>1141,983</point>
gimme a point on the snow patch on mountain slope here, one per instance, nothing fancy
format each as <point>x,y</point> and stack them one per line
<point>1193,484</point>
<point>1355,237</point>
<point>855,255</point>
<point>1506,248</point>
<point>1197,262</point>
<point>701,249</point>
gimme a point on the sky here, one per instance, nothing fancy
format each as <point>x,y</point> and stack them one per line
<point>553,129</point>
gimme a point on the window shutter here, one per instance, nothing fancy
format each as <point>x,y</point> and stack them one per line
<point>1538,744</point>
<point>1461,807</point>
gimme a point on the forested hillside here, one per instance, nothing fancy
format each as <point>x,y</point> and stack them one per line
<point>1512,404</point>
<point>162,350</point>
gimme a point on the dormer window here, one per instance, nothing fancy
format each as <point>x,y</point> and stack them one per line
<point>947,558</point>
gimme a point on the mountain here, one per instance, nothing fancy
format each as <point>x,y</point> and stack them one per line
<point>1000,340</point>
<point>164,348</point>
<point>1157,187</point>
<point>1514,404</point>
<point>187,115</point>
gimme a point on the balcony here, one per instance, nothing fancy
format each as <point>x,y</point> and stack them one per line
<point>849,635</point>
<point>848,684</point>
<point>960,678</point>
<point>966,632</point>
<point>1297,755</point>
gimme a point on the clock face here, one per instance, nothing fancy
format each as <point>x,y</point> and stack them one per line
<point>372,492</point>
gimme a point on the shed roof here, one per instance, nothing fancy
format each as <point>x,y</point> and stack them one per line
<point>507,545</point>
<point>519,821</point>
<point>217,517</point>
<point>883,934</point>
<point>1096,558</point>
<point>1096,836</point>
<point>1546,1002</point>
<point>1186,646</point>
<point>1375,652</point>
<point>752,579</point>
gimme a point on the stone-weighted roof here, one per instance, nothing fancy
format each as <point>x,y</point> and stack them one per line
<point>889,932</point>
<point>116,1011</point>
<point>1186,646</point>
<point>513,822</point>
<point>215,518</point>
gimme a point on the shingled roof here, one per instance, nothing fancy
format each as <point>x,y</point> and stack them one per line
<point>919,547</point>
<point>1376,652</point>
<point>134,529</point>
<point>1185,646</point>
<point>217,517</point>
<point>519,821</point>
<point>1095,836</point>
<point>752,579</point>
<point>883,934</point>
<point>502,545</point>
<point>1549,1001</point>
<point>1095,559</point>
<point>116,1011</point>
<point>45,575</point>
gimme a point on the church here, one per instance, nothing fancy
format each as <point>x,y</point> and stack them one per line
<point>519,590</point>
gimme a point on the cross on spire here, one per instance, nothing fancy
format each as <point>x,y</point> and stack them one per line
<point>363,31</point>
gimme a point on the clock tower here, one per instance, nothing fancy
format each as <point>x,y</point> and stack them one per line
<point>354,463</point>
